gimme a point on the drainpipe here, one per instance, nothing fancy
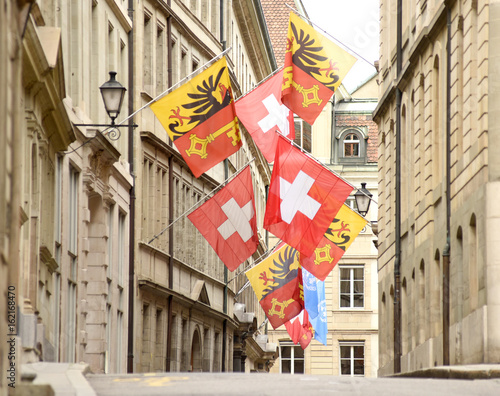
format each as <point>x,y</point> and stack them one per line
<point>226,175</point>
<point>446,251</point>
<point>131,280</point>
<point>168,360</point>
<point>224,323</point>
<point>332,146</point>
<point>397,260</point>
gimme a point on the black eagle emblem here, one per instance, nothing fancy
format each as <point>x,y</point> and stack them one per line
<point>211,97</point>
<point>283,273</point>
<point>307,57</point>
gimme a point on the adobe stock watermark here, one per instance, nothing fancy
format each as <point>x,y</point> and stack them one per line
<point>11,336</point>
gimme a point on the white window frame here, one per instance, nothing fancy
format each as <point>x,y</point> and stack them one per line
<point>351,142</point>
<point>299,135</point>
<point>292,358</point>
<point>351,345</point>
<point>351,269</point>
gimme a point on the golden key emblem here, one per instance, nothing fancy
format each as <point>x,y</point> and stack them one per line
<point>199,145</point>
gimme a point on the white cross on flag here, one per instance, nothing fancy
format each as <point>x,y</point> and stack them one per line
<point>227,221</point>
<point>263,114</point>
<point>304,197</point>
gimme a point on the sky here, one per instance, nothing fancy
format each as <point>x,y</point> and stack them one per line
<point>355,24</point>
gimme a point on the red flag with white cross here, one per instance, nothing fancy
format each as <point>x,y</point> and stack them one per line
<point>304,197</point>
<point>300,329</point>
<point>228,222</point>
<point>263,115</point>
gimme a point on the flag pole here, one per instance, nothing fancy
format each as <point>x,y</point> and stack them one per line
<point>168,90</point>
<point>255,262</point>
<point>328,34</point>
<point>201,200</point>
<point>261,82</point>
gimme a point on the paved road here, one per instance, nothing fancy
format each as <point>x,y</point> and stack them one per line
<point>230,384</point>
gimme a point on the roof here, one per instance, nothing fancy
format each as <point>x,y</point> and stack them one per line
<point>277,14</point>
<point>360,106</point>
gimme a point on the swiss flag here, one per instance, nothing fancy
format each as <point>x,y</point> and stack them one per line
<point>304,197</point>
<point>263,114</point>
<point>300,329</point>
<point>227,221</point>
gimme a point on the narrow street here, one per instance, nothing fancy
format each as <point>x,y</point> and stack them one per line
<point>275,384</point>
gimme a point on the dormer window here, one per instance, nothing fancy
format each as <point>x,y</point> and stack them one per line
<point>351,146</point>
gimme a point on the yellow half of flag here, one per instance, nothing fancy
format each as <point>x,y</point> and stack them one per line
<point>345,227</point>
<point>196,101</point>
<point>274,272</point>
<point>315,54</point>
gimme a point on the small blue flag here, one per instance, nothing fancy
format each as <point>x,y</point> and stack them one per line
<point>315,305</point>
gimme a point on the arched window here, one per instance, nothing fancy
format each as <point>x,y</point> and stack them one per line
<point>351,145</point>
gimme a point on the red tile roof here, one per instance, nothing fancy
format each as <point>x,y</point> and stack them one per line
<point>277,15</point>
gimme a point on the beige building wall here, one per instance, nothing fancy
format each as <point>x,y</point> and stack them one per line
<point>473,307</point>
<point>11,143</point>
<point>70,193</point>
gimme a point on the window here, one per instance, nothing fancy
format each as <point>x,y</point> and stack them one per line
<point>110,240</point>
<point>352,358</point>
<point>351,145</point>
<point>147,67</point>
<point>352,286</point>
<point>121,246</point>
<point>72,278</point>
<point>160,60</point>
<point>291,358</point>
<point>119,341</point>
<point>107,353</point>
<point>303,134</point>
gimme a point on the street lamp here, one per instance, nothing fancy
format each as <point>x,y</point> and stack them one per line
<point>363,199</point>
<point>112,95</point>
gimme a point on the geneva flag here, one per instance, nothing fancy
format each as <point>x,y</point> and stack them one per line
<point>276,283</point>
<point>227,221</point>
<point>304,197</point>
<point>340,234</point>
<point>200,118</point>
<point>314,68</point>
<point>344,228</point>
<point>263,114</point>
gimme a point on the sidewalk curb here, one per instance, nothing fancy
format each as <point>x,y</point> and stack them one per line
<point>65,378</point>
<point>470,372</point>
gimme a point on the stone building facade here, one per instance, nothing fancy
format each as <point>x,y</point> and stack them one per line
<point>82,202</point>
<point>185,315</point>
<point>438,184</point>
<point>12,17</point>
<point>70,186</point>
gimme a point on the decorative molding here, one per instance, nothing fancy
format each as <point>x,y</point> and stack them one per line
<point>47,259</point>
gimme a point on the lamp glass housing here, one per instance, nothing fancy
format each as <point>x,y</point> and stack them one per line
<point>363,199</point>
<point>112,95</point>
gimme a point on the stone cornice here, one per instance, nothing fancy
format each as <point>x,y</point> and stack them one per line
<point>48,80</point>
<point>155,288</point>
<point>423,40</point>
